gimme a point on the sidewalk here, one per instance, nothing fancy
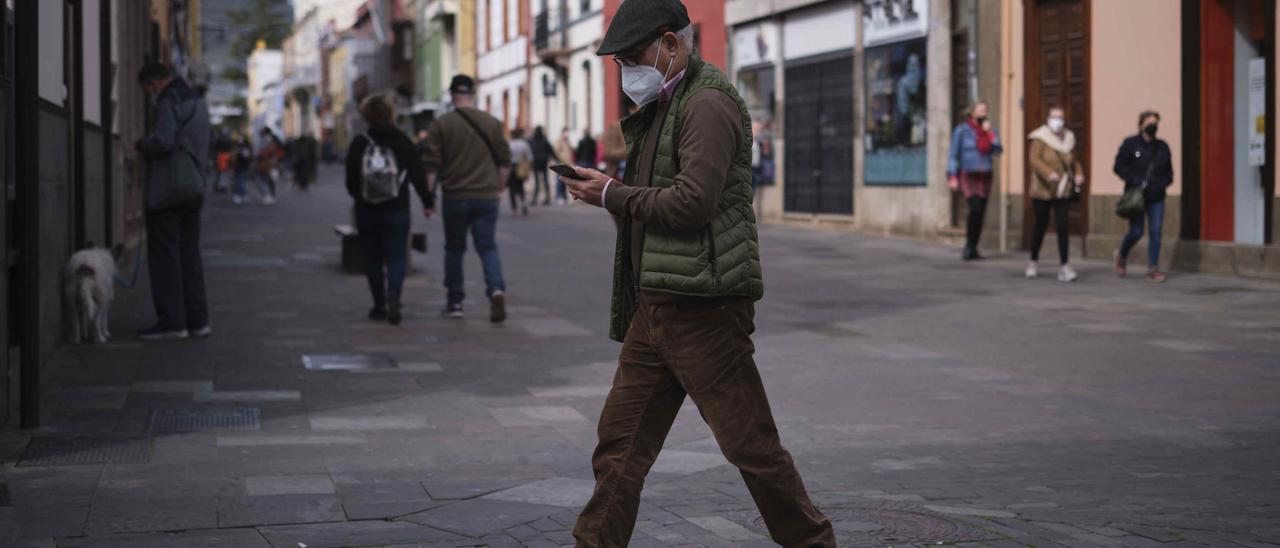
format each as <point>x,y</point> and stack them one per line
<point>924,400</point>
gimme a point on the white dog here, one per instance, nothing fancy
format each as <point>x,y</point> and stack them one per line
<point>89,288</point>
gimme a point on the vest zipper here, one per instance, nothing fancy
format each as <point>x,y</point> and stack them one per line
<point>711,244</point>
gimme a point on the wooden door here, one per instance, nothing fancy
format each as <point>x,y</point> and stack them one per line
<point>1057,73</point>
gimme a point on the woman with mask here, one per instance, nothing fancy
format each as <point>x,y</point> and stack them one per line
<point>1057,177</point>
<point>1145,162</point>
<point>973,143</point>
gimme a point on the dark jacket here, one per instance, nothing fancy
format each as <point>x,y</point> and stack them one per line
<point>179,135</point>
<point>1133,159</point>
<point>406,159</point>
<point>543,152</point>
<point>586,153</point>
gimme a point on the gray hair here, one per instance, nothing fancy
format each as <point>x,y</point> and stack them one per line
<point>684,38</point>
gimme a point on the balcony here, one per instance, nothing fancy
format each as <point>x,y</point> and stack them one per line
<point>550,33</point>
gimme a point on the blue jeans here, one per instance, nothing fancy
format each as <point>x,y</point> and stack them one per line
<point>238,181</point>
<point>1155,218</point>
<point>266,184</point>
<point>384,239</point>
<point>480,217</point>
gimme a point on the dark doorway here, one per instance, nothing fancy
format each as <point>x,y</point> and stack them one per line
<point>819,137</point>
<point>1057,73</point>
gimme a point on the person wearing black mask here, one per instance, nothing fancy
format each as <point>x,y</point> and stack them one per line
<point>1145,161</point>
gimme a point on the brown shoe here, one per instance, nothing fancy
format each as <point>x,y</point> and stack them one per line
<point>1121,270</point>
<point>1155,276</point>
<point>497,307</point>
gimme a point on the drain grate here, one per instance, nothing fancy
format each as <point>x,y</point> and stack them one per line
<point>72,450</point>
<point>239,419</point>
<point>347,362</point>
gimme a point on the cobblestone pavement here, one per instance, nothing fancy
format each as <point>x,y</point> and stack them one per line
<point>925,402</point>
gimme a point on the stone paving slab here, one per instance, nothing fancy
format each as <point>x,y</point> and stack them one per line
<point>475,518</point>
<point>246,538</point>
<point>278,510</point>
<point>353,533</point>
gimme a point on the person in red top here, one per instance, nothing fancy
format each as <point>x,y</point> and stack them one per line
<point>973,143</point>
<point>269,153</point>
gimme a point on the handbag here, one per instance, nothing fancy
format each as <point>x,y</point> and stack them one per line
<point>185,179</point>
<point>1134,201</point>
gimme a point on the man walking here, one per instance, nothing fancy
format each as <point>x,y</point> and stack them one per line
<point>175,152</point>
<point>686,278</point>
<point>467,152</point>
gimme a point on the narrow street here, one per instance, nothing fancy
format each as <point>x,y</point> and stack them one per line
<point>924,400</point>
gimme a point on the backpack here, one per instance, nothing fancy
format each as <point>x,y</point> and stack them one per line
<point>380,176</point>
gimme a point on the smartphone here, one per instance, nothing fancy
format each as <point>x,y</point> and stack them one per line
<point>566,172</point>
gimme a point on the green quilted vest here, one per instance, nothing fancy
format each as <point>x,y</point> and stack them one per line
<point>722,259</point>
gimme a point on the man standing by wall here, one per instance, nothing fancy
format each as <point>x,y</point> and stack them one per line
<point>686,278</point>
<point>176,153</point>
<point>468,153</point>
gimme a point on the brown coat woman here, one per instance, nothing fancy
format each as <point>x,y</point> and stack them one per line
<point>1057,177</point>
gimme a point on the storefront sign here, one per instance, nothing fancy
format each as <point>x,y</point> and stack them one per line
<point>825,29</point>
<point>1258,111</point>
<point>896,114</point>
<point>886,21</point>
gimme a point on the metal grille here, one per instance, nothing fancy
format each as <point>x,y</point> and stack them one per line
<point>347,362</point>
<point>71,450</point>
<point>237,419</point>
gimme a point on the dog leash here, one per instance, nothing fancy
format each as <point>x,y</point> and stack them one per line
<point>137,265</point>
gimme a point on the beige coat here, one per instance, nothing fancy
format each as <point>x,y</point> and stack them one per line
<point>1051,154</point>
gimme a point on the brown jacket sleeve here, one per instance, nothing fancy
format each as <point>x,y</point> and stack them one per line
<point>709,138</point>
<point>1038,164</point>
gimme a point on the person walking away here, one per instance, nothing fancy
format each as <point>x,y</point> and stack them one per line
<point>565,153</point>
<point>521,165</point>
<point>382,163</point>
<point>615,151</point>
<point>1145,162</point>
<point>543,154</point>
<point>223,167</point>
<point>243,163</point>
<point>467,153</point>
<point>586,153</point>
<point>264,169</point>
<point>305,159</point>
<point>1057,180</point>
<point>686,278</point>
<point>175,153</point>
<point>973,143</point>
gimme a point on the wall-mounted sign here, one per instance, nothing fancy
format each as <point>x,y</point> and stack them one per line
<point>828,28</point>
<point>1257,111</point>
<point>885,21</point>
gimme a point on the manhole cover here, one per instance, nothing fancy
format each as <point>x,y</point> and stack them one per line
<point>69,450</point>
<point>889,525</point>
<point>347,362</point>
<point>206,420</point>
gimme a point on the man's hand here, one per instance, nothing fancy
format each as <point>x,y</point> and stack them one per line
<point>590,188</point>
<point>428,211</point>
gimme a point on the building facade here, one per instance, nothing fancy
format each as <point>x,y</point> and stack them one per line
<point>502,60</point>
<point>567,78</point>
<point>265,97</point>
<point>446,34</point>
<point>68,88</point>
<point>1208,68</point>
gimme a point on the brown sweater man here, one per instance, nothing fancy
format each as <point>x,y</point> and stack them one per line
<point>687,274</point>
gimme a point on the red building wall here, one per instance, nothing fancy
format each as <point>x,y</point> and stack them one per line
<point>1217,112</point>
<point>713,43</point>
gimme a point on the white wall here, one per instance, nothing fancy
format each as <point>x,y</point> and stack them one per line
<point>91,51</point>
<point>51,83</point>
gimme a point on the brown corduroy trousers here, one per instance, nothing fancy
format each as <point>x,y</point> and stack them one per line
<point>703,350</point>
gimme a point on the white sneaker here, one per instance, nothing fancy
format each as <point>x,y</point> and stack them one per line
<point>1067,274</point>
<point>237,200</point>
<point>202,332</point>
<point>268,200</point>
<point>1032,270</point>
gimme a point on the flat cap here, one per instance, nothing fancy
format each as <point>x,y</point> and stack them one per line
<point>639,22</point>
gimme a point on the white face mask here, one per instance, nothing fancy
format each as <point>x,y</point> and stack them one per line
<point>1056,124</point>
<point>643,84</point>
